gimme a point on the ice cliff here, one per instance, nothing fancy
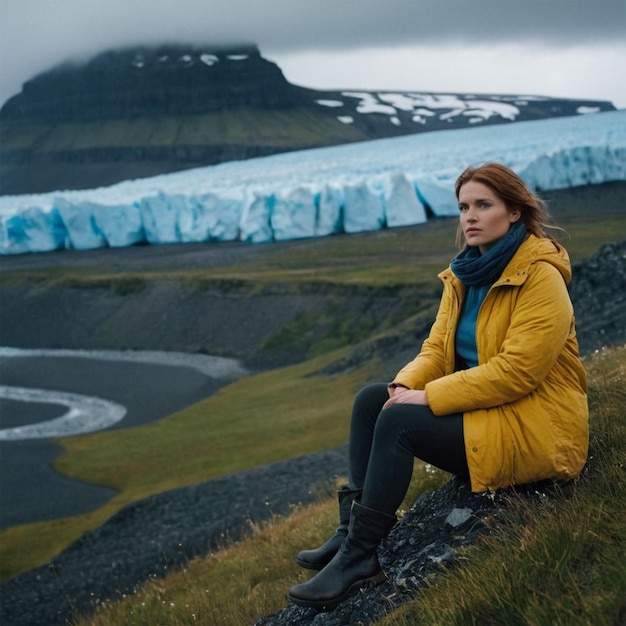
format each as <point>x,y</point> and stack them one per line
<point>314,193</point>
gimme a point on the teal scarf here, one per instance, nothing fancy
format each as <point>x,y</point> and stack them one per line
<point>475,270</point>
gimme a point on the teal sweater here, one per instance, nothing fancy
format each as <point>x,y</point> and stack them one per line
<point>466,349</point>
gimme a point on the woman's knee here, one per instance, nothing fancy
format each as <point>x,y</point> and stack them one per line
<point>391,423</point>
<point>371,398</point>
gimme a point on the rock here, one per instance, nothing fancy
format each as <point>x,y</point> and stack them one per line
<point>458,517</point>
<point>598,292</point>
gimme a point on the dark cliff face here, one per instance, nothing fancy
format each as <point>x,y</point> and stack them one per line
<point>140,82</point>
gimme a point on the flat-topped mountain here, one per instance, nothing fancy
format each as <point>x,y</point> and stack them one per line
<point>151,82</point>
<point>143,111</point>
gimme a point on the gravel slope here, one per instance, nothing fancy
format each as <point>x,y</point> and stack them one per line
<point>148,537</point>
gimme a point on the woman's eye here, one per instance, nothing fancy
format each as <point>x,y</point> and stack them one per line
<point>462,208</point>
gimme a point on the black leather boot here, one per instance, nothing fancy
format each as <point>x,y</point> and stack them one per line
<point>319,558</point>
<point>355,564</point>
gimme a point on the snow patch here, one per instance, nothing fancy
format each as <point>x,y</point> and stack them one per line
<point>369,103</point>
<point>209,59</point>
<point>583,110</point>
<point>330,103</point>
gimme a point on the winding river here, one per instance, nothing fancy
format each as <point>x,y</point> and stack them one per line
<point>45,394</point>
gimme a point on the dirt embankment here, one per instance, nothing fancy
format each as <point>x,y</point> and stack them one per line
<point>269,325</point>
<point>264,325</point>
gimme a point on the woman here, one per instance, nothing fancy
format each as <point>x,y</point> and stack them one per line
<point>497,393</point>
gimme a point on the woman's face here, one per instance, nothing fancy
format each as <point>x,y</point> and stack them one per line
<point>484,217</point>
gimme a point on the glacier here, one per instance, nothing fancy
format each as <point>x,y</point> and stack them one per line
<point>350,188</point>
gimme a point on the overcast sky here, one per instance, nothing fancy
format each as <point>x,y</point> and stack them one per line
<point>565,48</point>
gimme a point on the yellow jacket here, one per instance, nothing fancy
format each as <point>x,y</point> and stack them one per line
<point>525,413</point>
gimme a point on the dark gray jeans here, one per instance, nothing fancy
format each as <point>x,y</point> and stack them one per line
<point>384,443</point>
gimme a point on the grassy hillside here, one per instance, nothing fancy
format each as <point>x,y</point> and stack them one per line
<point>289,129</point>
<point>42,157</point>
<point>557,561</point>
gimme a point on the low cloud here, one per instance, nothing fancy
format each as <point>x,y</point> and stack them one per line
<point>37,34</point>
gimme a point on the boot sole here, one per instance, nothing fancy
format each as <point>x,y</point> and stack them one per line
<point>331,603</point>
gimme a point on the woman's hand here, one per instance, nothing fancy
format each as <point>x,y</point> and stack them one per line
<point>402,395</point>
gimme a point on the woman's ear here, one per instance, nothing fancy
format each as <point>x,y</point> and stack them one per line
<point>515,215</point>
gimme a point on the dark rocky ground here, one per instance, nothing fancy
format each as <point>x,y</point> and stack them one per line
<point>148,537</point>
<point>598,291</point>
